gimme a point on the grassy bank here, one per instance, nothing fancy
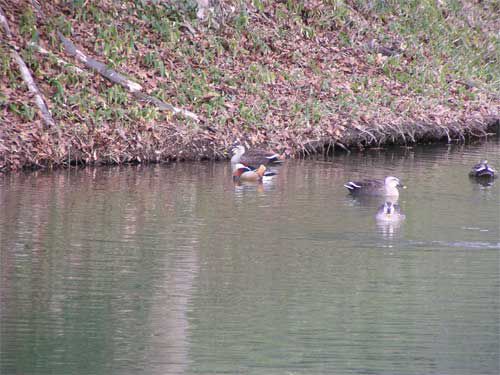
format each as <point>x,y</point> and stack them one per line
<point>295,76</point>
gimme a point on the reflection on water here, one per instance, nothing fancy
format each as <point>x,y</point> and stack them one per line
<point>177,270</point>
<point>389,230</point>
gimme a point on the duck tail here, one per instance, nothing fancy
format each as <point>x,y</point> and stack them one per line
<point>275,159</point>
<point>352,186</point>
<point>269,173</point>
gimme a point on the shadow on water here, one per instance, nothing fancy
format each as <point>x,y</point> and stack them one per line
<point>176,270</point>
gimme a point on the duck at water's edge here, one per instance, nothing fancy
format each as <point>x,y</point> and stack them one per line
<point>387,187</point>
<point>482,170</point>
<point>389,212</point>
<point>252,158</point>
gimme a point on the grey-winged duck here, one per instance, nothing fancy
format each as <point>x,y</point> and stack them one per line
<point>387,187</point>
<point>254,157</point>
<point>482,170</point>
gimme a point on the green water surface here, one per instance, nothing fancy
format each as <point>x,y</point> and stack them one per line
<point>175,270</point>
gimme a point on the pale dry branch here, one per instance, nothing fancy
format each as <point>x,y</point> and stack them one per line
<point>374,139</point>
<point>38,8</point>
<point>58,60</point>
<point>115,77</point>
<point>343,147</point>
<point>98,66</point>
<point>165,106</point>
<point>5,24</point>
<point>203,6</point>
<point>28,79</point>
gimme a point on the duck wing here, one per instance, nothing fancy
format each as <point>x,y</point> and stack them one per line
<point>477,168</point>
<point>482,169</point>
<point>269,173</point>
<point>364,185</point>
<point>257,157</point>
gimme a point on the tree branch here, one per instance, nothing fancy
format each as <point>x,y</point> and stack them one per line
<point>28,79</point>
<point>115,77</point>
<point>59,61</point>
<point>98,66</point>
<point>165,106</point>
<point>5,24</point>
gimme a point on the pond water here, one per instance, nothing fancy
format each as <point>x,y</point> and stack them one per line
<point>175,270</point>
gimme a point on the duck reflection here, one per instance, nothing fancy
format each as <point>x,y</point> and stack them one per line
<point>241,187</point>
<point>389,212</point>
<point>370,201</point>
<point>389,219</point>
<point>483,182</point>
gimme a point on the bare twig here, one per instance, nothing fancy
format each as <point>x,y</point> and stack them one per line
<point>189,27</point>
<point>5,24</point>
<point>165,106</point>
<point>411,134</point>
<point>330,145</point>
<point>374,139</point>
<point>115,77</point>
<point>59,61</point>
<point>203,6</point>
<point>447,133</point>
<point>98,66</point>
<point>343,147</point>
<point>38,8</point>
<point>28,79</point>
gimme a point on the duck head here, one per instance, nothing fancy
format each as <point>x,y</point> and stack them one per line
<point>393,182</point>
<point>237,151</point>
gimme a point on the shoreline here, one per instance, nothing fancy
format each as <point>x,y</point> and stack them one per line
<point>360,139</point>
<point>144,146</point>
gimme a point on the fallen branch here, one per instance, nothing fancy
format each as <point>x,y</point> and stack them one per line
<point>38,8</point>
<point>5,24</point>
<point>98,66</point>
<point>164,106</point>
<point>59,61</point>
<point>203,6</point>
<point>27,77</point>
<point>118,78</point>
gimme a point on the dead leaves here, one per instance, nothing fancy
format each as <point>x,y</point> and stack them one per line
<point>328,87</point>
